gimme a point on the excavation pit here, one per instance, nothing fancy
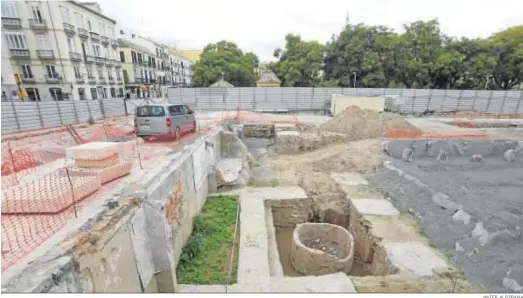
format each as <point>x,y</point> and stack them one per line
<point>321,248</point>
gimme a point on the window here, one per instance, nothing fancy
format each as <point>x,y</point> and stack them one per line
<point>96,50</point>
<point>100,72</point>
<point>9,9</point>
<point>81,93</point>
<point>56,94</point>
<point>102,28</point>
<point>70,43</point>
<point>133,56</point>
<point>65,14</point>
<point>113,92</point>
<point>33,94</point>
<point>16,41</point>
<point>120,92</point>
<point>94,93</point>
<point>118,75</point>
<point>50,71</point>
<point>42,40</point>
<point>77,73</point>
<point>79,20</point>
<point>26,71</point>
<point>36,13</point>
<point>176,110</point>
<point>150,111</point>
<point>105,52</point>
<point>89,71</point>
<point>109,73</point>
<point>90,25</point>
<point>110,31</point>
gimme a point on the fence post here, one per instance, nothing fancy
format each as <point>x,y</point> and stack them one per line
<point>16,115</point>
<point>519,102</point>
<point>489,99</point>
<point>474,100</point>
<point>253,99</point>
<point>458,104</point>
<point>89,110</point>
<point>312,98</point>
<point>413,101</point>
<point>503,103</point>
<point>102,108</point>
<point>429,101</point>
<point>75,113</point>
<point>209,97</point>
<point>39,113</point>
<point>296,100</point>
<point>443,102</point>
<point>59,112</point>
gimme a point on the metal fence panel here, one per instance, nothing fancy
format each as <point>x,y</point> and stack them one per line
<point>25,116</point>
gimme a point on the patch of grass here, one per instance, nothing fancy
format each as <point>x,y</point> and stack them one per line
<point>206,256</point>
<point>265,183</point>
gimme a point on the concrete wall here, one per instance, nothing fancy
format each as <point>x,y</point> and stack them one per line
<point>104,254</point>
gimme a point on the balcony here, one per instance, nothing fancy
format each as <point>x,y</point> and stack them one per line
<point>69,29</point>
<point>95,36</point>
<point>55,79</point>
<point>119,80</point>
<point>89,59</point>
<point>109,62</point>
<point>117,63</point>
<point>114,42</point>
<point>152,81</point>
<point>99,60</point>
<point>105,39</point>
<point>82,33</point>
<point>37,24</point>
<point>45,54</point>
<point>13,23</point>
<point>91,80</point>
<point>102,80</point>
<point>138,80</point>
<point>20,54</point>
<point>27,80</point>
<point>80,79</point>
<point>75,56</point>
<point>112,81</point>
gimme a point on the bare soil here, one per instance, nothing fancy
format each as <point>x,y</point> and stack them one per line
<point>360,124</point>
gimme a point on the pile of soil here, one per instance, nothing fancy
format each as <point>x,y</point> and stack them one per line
<point>360,124</point>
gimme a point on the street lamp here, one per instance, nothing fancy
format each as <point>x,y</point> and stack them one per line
<point>354,73</point>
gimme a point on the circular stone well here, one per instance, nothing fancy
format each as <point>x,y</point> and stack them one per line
<point>321,248</point>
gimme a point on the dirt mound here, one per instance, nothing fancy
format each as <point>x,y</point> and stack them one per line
<point>360,124</point>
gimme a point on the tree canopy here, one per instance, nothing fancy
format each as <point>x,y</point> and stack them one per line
<point>377,57</point>
<point>225,58</point>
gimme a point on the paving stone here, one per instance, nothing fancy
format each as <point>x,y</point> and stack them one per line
<point>414,258</point>
<point>378,207</point>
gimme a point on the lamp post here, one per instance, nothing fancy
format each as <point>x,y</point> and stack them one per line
<point>354,73</point>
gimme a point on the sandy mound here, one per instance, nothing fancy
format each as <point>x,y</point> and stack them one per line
<point>360,124</point>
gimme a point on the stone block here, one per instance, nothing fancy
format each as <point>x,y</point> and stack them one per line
<point>105,174</point>
<point>378,207</point>
<point>414,258</point>
<point>93,150</point>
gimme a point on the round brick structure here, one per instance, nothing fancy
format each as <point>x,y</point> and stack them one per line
<point>321,248</point>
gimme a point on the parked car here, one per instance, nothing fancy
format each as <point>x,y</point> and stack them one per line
<point>164,120</point>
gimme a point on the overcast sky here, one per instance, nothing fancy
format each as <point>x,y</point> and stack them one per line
<point>260,26</point>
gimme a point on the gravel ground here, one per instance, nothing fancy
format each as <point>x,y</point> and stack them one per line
<point>489,244</point>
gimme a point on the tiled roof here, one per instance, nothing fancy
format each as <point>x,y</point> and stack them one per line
<point>268,77</point>
<point>222,83</point>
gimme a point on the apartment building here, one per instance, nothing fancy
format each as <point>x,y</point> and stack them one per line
<point>62,50</point>
<point>153,61</point>
<point>181,69</point>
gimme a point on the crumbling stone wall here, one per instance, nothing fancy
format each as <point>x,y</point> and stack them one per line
<point>333,249</point>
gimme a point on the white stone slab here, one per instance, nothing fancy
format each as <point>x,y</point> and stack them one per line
<point>349,179</point>
<point>379,207</point>
<point>93,150</point>
<point>287,133</point>
<point>228,170</point>
<point>414,258</point>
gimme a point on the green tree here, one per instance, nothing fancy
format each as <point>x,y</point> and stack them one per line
<point>225,57</point>
<point>300,64</point>
<point>507,47</point>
